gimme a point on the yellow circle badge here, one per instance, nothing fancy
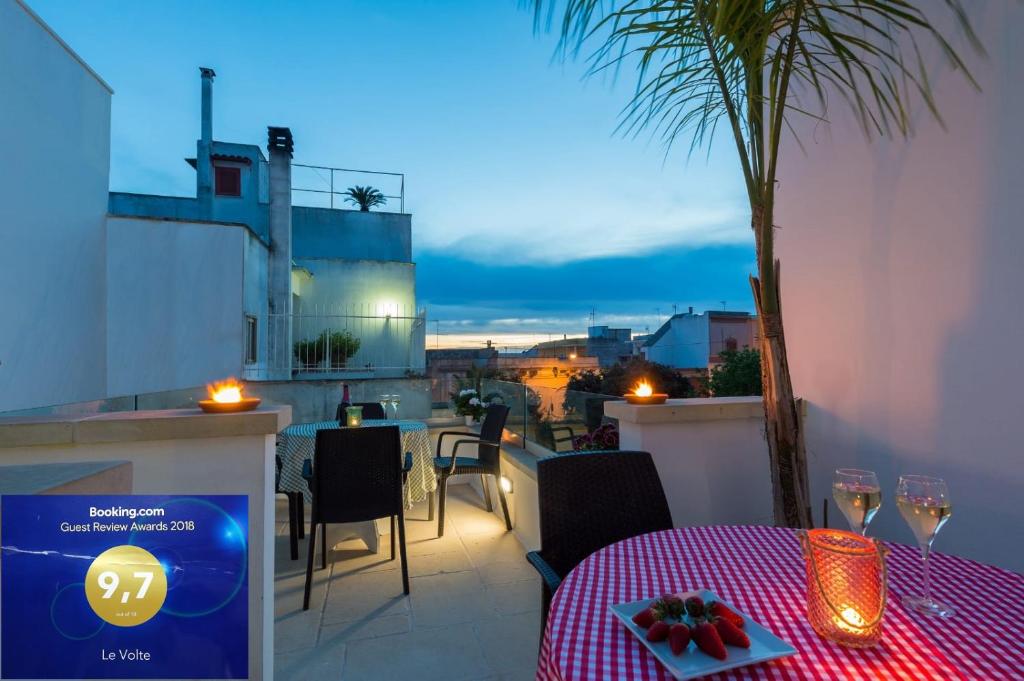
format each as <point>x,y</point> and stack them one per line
<point>126,585</point>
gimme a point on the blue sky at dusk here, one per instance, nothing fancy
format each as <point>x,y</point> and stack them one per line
<point>528,209</point>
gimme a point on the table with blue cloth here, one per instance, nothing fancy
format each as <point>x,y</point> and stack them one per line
<point>297,442</point>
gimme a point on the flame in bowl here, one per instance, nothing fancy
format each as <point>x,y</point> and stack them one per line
<point>643,389</point>
<point>225,391</point>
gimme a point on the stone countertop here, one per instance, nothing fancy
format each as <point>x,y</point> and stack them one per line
<point>48,477</point>
<point>685,410</point>
<point>135,426</point>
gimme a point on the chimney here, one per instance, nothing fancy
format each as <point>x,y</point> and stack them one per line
<point>279,146</point>
<point>204,167</point>
<point>691,310</point>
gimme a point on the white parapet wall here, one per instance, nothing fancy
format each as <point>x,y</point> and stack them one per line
<point>711,455</point>
<point>179,451</point>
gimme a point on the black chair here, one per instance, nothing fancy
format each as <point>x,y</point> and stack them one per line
<point>296,513</point>
<point>371,410</point>
<point>487,461</point>
<point>589,500</point>
<point>357,476</point>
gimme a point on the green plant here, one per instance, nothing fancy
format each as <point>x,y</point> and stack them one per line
<point>364,197</point>
<point>335,346</point>
<point>620,379</point>
<point>761,66</point>
<point>739,374</point>
<point>469,403</point>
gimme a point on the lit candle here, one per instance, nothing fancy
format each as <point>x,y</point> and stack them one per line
<point>353,417</point>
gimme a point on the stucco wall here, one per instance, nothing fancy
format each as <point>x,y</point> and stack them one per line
<point>53,200</point>
<point>352,234</point>
<point>902,267</point>
<point>685,345</point>
<point>175,301</point>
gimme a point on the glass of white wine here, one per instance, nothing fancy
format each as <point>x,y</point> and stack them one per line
<point>924,504</point>
<point>383,399</point>
<point>858,495</point>
<point>395,401</point>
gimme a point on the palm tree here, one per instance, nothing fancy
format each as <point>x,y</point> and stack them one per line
<point>364,197</point>
<point>758,65</point>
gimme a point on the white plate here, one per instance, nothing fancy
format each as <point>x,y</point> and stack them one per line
<point>693,662</point>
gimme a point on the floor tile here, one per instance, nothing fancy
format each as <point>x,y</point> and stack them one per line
<point>512,598</point>
<point>510,643</point>
<point>438,654</point>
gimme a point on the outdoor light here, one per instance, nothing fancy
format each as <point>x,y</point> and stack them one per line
<point>353,417</point>
<point>643,393</point>
<point>226,397</point>
<point>506,484</point>
<point>846,578</point>
<point>572,355</point>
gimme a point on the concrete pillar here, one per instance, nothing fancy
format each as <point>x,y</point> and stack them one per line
<point>204,167</point>
<point>279,146</point>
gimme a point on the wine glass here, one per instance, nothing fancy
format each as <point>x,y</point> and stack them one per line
<point>383,399</point>
<point>858,495</point>
<point>925,506</point>
<point>395,401</point>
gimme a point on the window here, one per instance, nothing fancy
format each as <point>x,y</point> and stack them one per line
<point>250,339</point>
<point>731,344</point>
<point>228,181</point>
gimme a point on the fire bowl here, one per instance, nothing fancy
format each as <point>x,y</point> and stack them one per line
<point>245,404</point>
<point>656,398</point>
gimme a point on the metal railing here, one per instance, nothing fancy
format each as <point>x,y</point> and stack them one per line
<point>331,183</point>
<point>346,340</point>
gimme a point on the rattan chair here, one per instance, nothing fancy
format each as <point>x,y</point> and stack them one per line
<point>486,463</point>
<point>296,513</point>
<point>357,476</point>
<point>589,500</point>
<point>371,410</point>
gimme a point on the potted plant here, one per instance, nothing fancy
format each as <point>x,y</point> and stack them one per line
<point>334,346</point>
<point>364,197</point>
<point>469,405</point>
<point>604,437</point>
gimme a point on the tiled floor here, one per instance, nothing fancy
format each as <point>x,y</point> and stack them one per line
<point>473,612</point>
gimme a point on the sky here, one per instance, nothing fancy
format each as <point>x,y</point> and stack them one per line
<point>530,212</point>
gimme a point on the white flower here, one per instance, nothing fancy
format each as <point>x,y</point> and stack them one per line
<point>474,401</point>
<point>467,391</point>
<point>485,404</point>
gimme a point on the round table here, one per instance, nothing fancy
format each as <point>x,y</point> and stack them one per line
<point>297,442</point>
<point>761,571</point>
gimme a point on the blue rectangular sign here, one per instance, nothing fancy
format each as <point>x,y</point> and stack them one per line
<point>124,587</point>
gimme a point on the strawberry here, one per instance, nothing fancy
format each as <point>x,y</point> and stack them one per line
<point>645,618</point>
<point>695,606</point>
<point>731,634</point>
<point>720,609</point>
<point>669,605</point>
<point>678,638</point>
<point>658,632</point>
<point>707,639</point>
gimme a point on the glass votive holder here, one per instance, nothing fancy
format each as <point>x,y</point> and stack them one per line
<point>353,417</point>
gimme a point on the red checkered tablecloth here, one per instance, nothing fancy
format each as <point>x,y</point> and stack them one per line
<point>761,571</point>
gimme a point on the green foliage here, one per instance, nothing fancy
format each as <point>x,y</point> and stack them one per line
<point>364,197</point>
<point>621,378</point>
<point>335,346</point>
<point>739,374</point>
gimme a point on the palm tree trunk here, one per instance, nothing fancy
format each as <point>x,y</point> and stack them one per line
<point>783,427</point>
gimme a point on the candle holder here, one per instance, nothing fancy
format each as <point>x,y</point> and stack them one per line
<point>846,586</point>
<point>353,417</point>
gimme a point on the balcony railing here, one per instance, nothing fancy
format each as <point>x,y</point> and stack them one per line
<point>325,186</point>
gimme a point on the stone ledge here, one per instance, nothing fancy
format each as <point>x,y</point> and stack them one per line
<point>135,426</point>
<point>687,410</point>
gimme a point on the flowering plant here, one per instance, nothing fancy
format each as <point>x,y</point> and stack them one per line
<point>604,437</point>
<point>468,403</point>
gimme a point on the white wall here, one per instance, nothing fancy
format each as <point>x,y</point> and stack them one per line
<point>902,282</point>
<point>685,346</point>
<point>175,299</point>
<point>55,114</point>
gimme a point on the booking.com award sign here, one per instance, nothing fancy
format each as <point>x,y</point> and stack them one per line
<point>124,587</point>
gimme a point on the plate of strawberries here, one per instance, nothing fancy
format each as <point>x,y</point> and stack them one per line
<point>697,633</point>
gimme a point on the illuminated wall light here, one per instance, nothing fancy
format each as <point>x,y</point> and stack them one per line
<point>506,484</point>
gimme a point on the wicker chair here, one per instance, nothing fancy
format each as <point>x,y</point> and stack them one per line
<point>371,410</point>
<point>296,513</point>
<point>357,476</point>
<point>487,461</point>
<point>589,500</point>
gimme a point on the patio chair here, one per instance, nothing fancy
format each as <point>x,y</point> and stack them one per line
<point>589,500</point>
<point>357,476</point>
<point>486,463</point>
<point>371,410</point>
<point>296,512</point>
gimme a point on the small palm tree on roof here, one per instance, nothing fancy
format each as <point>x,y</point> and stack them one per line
<point>364,197</point>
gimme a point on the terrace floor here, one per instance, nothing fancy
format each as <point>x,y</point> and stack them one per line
<point>473,612</point>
